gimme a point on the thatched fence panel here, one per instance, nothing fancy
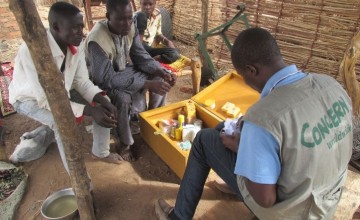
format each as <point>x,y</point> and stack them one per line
<point>167,4</point>
<point>313,34</point>
<point>187,21</point>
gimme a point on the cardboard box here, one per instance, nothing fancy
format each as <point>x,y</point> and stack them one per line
<point>229,88</point>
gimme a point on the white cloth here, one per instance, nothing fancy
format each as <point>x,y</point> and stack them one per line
<point>101,135</point>
<point>25,85</point>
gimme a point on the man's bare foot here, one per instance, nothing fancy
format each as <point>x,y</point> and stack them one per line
<point>126,153</point>
<point>112,158</point>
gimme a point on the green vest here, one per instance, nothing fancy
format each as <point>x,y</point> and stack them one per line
<point>101,35</point>
<point>311,119</point>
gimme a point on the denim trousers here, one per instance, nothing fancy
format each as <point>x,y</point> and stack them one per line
<point>101,135</point>
<point>207,152</point>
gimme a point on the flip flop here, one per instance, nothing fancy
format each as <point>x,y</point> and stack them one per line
<point>126,153</point>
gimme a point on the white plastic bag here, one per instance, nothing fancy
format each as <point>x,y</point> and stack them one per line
<point>33,144</point>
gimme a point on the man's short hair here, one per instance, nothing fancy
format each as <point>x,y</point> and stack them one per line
<point>112,4</point>
<point>62,9</point>
<point>254,45</point>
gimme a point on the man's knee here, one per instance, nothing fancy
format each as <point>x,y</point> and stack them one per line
<point>171,55</point>
<point>120,98</point>
<point>206,136</point>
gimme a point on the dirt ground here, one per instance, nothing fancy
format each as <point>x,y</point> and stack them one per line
<point>125,191</point>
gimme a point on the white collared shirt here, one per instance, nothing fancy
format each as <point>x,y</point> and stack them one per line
<point>26,86</point>
<point>153,27</point>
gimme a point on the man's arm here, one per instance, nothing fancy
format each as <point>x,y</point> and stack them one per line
<point>104,114</point>
<point>141,58</point>
<point>263,194</point>
<point>141,23</point>
<point>161,38</point>
<point>103,72</point>
<point>145,63</point>
<point>259,163</point>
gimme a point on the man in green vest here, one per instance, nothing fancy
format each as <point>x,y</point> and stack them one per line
<point>289,160</point>
<point>120,65</point>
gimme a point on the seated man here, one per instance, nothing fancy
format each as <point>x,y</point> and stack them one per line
<point>112,45</point>
<point>149,26</point>
<point>28,97</point>
<point>289,160</point>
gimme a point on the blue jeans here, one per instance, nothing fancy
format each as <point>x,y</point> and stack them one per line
<point>207,152</point>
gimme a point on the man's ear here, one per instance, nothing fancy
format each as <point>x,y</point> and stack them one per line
<point>252,69</point>
<point>107,16</point>
<point>55,26</point>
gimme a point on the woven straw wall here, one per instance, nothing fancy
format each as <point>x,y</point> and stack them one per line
<point>313,34</point>
<point>168,4</point>
<point>187,21</point>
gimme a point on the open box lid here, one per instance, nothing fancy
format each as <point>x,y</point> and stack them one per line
<point>229,88</point>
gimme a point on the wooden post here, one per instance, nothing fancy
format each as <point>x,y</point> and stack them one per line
<point>34,34</point>
<point>204,26</point>
<point>347,71</point>
<point>196,75</point>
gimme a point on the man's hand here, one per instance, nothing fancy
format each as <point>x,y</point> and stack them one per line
<point>103,101</point>
<point>167,75</point>
<point>101,115</point>
<point>231,141</point>
<point>111,108</point>
<point>159,87</point>
<point>170,44</point>
<point>170,78</point>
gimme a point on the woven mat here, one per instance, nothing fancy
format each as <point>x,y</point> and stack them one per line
<point>5,107</point>
<point>12,187</point>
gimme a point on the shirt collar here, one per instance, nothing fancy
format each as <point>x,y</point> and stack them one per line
<point>273,82</point>
<point>73,49</point>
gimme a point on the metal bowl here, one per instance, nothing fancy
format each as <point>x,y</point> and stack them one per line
<point>60,205</point>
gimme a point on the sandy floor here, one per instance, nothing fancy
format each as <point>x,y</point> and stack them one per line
<point>125,191</point>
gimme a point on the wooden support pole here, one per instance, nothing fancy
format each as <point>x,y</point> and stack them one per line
<point>34,34</point>
<point>347,71</point>
<point>204,26</point>
<point>196,75</point>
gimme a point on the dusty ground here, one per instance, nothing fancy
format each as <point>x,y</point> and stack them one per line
<point>126,191</point>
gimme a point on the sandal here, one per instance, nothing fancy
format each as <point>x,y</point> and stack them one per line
<point>125,152</point>
<point>162,209</point>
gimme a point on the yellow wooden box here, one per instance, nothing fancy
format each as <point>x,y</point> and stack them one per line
<point>229,88</point>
